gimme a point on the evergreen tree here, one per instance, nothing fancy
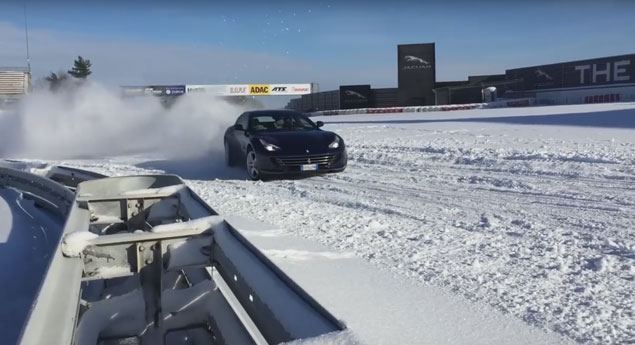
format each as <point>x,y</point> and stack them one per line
<point>81,68</point>
<point>56,80</point>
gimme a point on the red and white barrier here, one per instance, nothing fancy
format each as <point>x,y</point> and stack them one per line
<point>521,102</point>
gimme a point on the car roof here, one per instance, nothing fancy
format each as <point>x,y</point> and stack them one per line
<point>267,112</point>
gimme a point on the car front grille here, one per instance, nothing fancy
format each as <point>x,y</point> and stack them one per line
<point>321,160</point>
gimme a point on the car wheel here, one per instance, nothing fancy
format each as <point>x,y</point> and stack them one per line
<point>229,160</point>
<point>250,164</point>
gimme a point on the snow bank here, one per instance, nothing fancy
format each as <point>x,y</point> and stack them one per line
<point>305,255</point>
<point>335,338</point>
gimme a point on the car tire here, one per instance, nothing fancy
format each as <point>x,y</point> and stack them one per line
<point>230,161</point>
<point>250,165</point>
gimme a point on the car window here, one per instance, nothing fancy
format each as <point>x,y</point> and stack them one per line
<point>242,120</point>
<point>280,122</point>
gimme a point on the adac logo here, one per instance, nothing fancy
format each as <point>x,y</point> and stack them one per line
<point>540,74</point>
<point>259,89</point>
<point>415,62</point>
<point>354,94</point>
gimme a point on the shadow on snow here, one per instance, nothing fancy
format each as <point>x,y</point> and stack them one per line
<point>201,168</point>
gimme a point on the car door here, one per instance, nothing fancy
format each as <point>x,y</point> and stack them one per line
<point>233,137</point>
<point>242,136</point>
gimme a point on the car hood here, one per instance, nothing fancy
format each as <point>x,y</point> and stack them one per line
<point>298,142</point>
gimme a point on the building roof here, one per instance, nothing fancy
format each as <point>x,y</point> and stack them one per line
<point>14,69</point>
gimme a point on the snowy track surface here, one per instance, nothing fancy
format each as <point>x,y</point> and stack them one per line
<point>530,210</point>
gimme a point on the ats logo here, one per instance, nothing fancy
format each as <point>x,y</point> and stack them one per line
<point>259,89</point>
<point>412,62</point>
<point>279,89</point>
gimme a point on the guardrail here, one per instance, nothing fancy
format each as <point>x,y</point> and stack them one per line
<point>46,193</point>
<point>71,177</point>
<point>523,102</point>
<point>246,310</point>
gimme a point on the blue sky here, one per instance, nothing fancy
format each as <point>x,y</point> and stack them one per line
<point>320,41</point>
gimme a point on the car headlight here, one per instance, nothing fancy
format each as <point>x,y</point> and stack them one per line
<point>336,143</point>
<point>269,146</point>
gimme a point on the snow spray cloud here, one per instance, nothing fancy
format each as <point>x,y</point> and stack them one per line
<point>94,121</point>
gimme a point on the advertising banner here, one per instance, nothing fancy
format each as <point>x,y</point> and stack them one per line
<point>290,89</point>
<point>592,72</point>
<point>220,90</point>
<point>602,71</point>
<point>174,90</point>
<point>259,89</point>
<point>206,89</point>
<point>133,90</point>
<point>417,74</point>
<point>164,90</point>
<point>236,90</point>
<point>539,77</point>
<point>251,89</point>
<point>355,96</point>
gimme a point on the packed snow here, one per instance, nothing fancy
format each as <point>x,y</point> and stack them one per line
<point>383,307</point>
<point>528,210</point>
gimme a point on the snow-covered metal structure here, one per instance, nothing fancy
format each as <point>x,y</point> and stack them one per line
<point>143,260</point>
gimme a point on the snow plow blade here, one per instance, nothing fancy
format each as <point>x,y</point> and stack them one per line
<point>143,260</point>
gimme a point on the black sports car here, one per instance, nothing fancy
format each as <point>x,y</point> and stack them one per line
<point>279,142</point>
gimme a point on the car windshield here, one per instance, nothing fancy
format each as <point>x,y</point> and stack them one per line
<point>280,122</point>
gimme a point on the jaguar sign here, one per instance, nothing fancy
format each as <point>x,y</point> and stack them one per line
<point>416,74</point>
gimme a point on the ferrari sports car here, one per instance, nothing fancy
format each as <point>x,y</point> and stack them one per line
<point>282,142</point>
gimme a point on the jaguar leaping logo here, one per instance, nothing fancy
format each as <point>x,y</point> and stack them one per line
<point>415,59</point>
<point>542,74</point>
<point>354,93</point>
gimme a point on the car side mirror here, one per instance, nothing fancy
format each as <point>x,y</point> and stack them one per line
<point>238,127</point>
<point>319,123</point>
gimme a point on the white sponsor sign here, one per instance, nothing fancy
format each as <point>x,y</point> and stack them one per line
<point>290,89</point>
<point>236,90</point>
<point>251,89</point>
<point>212,89</point>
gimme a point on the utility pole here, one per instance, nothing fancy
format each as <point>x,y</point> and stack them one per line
<point>26,34</point>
